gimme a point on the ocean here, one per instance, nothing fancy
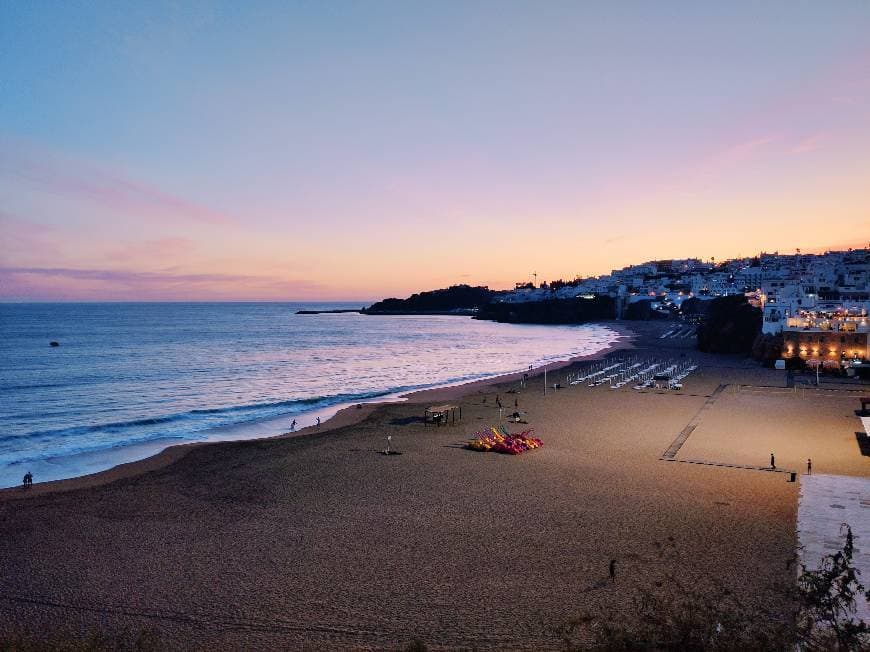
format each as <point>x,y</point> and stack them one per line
<point>130,379</point>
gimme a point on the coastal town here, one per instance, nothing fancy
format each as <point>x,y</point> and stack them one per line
<point>817,303</point>
<point>801,311</point>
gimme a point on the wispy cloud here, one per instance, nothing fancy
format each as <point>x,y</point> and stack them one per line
<point>746,149</point>
<point>83,181</point>
<point>62,283</point>
<point>809,144</point>
<point>159,249</point>
<point>19,236</point>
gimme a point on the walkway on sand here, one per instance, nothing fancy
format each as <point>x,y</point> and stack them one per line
<point>734,466</point>
<point>671,453</point>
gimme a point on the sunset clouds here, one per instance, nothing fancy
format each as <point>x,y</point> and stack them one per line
<point>82,182</point>
<point>63,284</point>
<point>374,149</point>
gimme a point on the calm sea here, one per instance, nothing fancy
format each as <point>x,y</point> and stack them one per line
<point>130,379</point>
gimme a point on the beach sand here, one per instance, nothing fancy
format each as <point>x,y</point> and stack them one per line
<point>321,542</point>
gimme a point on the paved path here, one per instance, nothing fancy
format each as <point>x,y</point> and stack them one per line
<point>826,502</point>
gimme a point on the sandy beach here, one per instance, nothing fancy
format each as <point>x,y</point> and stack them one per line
<point>318,541</point>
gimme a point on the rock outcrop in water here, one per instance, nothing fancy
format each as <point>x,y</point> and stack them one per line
<point>483,303</point>
<point>457,299</point>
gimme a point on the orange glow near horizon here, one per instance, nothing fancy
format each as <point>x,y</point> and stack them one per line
<point>128,244</point>
<point>413,156</point>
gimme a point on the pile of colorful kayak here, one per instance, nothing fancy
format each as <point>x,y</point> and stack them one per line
<point>499,440</point>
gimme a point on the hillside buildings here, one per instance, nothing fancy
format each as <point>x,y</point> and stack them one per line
<point>818,303</point>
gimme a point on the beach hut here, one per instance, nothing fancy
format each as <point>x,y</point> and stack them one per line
<point>438,414</point>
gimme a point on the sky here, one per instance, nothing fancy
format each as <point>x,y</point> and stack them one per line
<point>358,150</point>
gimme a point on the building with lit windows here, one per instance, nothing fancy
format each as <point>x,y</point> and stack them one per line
<point>832,338</point>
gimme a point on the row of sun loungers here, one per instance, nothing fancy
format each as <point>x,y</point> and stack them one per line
<point>643,373</point>
<point>673,375</point>
<point>594,374</point>
<point>678,333</point>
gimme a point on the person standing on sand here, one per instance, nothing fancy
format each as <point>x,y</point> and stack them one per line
<point>612,570</point>
<point>318,422</point>
<point>809,466</point>
<point>772,462</point>
<point>28,480</point>
<point>293,425</point>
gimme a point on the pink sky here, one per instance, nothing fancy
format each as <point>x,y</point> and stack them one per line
<point>390,152</point>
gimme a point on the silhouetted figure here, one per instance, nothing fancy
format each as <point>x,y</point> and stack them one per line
<point>809,466</point>
<point>612,570</point>
<point>293,425</point>
<point>516,402</point>
<point>28,480</point>
<point>498,401</point>
<point>772,461</point>
<point>318,422</point>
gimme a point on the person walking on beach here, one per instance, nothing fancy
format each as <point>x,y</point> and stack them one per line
<point>612,570</point>
<point>293,425</point>
<point>28,480</point>
<point>772,462</point>
<point>809,466</point>
<point>318,422</point>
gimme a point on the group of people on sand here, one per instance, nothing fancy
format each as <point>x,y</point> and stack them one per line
<point>28,480</point>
